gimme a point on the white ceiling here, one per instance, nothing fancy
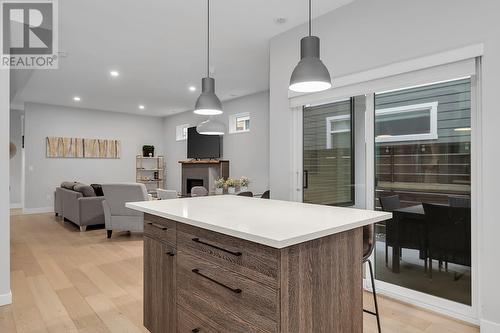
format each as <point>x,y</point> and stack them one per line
<point>159,49</point>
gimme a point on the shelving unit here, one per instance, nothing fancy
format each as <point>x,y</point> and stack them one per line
<point>150,171</point>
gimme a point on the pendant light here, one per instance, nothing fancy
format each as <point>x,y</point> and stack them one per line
<point>208,103</point>
<point>310,74</point>
<point>211,127</point>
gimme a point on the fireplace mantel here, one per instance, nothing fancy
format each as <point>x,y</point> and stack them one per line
<point>203,161</point>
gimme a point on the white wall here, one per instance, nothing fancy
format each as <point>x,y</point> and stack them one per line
<point>44,174</point>
<point>248,152</point>
<point>16,161</point>
<point>5,295</point>
<point>369,34</point>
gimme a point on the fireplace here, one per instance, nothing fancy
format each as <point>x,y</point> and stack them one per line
<point>192,182</point>
<point>202,173</point>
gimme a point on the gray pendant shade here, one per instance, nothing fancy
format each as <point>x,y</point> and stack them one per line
<point>310,74</point>
<point>208,103</point>
<point>211,127</point>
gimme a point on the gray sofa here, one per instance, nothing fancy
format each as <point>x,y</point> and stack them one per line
<point>78,203</point>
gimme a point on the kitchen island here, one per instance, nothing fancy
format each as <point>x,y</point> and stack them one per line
<point>239,264</point>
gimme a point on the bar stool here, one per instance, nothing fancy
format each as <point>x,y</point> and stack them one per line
<point>368,246</point>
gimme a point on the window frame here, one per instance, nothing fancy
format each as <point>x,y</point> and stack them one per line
<point>433,132</point>
<point>233,121</point>
<point>181,132</point>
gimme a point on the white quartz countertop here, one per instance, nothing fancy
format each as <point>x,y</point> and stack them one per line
<point>273,223</point>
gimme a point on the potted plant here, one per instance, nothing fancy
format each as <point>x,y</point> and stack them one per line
<point>219,186</point>
<point>244,181</point>
<point>231,184</point>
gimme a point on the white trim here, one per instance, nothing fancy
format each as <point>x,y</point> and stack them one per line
<point>296,176</point>
<point>389,81</point>
<point>38,210</point>
<point>6,299</point>
<point>426,301</point>
<point>433,60</point>
<point>489,326</point>
<point>433,133</point>
<point>16,205</point>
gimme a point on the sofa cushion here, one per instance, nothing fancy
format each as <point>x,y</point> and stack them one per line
<point>85,190</point>
<point>68,185</point>
<point>97,189</point>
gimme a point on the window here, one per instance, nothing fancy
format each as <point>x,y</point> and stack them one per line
<point>337,125</point>
<point>407,123</point>
<point>239,123</point>
<point>328,156</point>
<point>181,132</point>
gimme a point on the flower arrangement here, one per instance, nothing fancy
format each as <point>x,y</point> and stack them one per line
<point>220,182</point>
<point>231,182</point>
<point>244,181</point>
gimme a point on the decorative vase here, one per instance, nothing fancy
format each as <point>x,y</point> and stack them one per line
<point>243,188</point>
<point>219,191</point>
<point>231,190</point>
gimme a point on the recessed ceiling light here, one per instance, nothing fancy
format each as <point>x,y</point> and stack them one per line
<point>142,107</point>
<point>114,73</point>
<point>77,99</point>
<point>192,88</point>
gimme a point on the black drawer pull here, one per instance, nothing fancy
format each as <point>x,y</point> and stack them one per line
<point>195,330</point>
<point>171,253</point>
<point>156,225</point>
<point>197,240</point>
<point>236,291</point>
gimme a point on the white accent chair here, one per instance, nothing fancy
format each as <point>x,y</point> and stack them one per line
<point>199,191</point>
<point>166,194</point>
<point>118,217</point>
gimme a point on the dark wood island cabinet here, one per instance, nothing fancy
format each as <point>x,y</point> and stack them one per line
<point>200,280</point>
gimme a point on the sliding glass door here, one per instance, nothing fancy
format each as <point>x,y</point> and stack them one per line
<point>423,175</point>
<point>328,154</point>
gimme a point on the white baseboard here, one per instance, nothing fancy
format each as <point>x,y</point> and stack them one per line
<point>489,326</point>
<point>16,205</point>
<point>6,299</point>
<point>38,210</point>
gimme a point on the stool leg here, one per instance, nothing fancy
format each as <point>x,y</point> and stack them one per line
<point>374,295</point>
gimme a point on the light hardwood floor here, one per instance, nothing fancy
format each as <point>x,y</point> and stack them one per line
<point>67,281</point>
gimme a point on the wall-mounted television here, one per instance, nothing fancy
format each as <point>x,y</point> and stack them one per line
<point>203,146</point>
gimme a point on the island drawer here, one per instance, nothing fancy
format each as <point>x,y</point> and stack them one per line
<point>160,228</point>
<point>189,323</point>
<point>233,302</point>
<point>255,261</point>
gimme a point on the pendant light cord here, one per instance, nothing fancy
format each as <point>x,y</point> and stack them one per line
<point>208,38</point>
<point>310,18</point>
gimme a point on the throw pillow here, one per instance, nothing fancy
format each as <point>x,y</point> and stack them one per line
<point>97,189</point>
<point>86,190</point>
<point>68,185</point>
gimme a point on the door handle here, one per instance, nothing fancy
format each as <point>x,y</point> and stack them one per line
<point>305,180</point>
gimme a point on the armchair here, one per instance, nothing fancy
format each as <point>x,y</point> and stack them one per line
<point>116,216</point>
